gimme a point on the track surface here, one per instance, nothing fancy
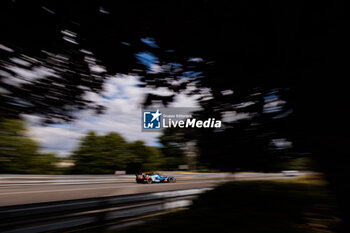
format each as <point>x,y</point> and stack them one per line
<point>17,189</point>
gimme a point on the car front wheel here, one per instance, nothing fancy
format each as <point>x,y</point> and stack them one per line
<point>149,181</point>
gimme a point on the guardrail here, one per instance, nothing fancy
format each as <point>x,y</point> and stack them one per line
<point>92,212</point>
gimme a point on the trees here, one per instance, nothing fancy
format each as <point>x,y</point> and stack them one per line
<point>100,154</point>
<point>95,155</point>
<point>172,140</point>
<point>19,153</point>
<point>143,158</point>
<point>107,153</point>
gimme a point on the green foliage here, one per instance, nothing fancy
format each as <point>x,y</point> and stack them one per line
<point>144,158</point>
<point>19,153</point>
<point>302,164</point>
<point>108,153</point>
<point>172,141</point>
<point>100,154</point>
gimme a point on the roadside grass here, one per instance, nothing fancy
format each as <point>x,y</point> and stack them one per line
<point>300,205</point>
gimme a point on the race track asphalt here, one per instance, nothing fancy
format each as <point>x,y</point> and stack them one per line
<point>25,189</point>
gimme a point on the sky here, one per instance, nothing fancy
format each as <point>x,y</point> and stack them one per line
<point>122,98</point>
<point>123,101</point>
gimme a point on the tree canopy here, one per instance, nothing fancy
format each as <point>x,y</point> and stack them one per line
<point>105,154</point>
<point>20,154</point>
<point>173,147</point>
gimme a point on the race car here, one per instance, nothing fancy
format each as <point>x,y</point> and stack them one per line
<point>151,177</point>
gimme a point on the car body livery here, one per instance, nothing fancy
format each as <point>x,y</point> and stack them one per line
<point>150,178</point>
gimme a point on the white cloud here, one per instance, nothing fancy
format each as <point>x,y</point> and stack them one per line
<point>23,75</point>
<point>232,116</point>
<point>123,100</point>
<point>56,139</point>
<point>183,100</point>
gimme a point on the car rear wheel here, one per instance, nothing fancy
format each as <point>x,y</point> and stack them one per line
<point>171,180</point>
<point>149,181</point>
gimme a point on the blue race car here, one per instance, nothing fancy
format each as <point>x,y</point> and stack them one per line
<point>151,177</point>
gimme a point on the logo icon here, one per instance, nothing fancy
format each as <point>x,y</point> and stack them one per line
<point>152,120</point>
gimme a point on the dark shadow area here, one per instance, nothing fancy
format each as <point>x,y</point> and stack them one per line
<point>301,205</point>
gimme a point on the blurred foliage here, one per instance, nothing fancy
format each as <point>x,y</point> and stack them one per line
<point>104,154</point>
<point>173,148</point>
<point>293,206</point>
<point>144,158</point>
<point>100,154</point>
<point>20,154</point>
<point>302,164</point>
<point>264,60</point>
